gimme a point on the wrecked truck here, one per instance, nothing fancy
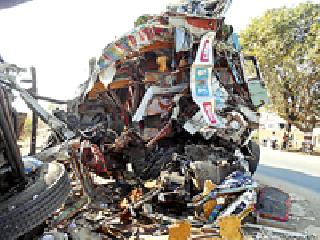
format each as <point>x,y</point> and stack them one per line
<point>177,83</point>
<point>174,100</point>
<point>166,117</point>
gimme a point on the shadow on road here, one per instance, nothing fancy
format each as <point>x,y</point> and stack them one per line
<point>297,178</point>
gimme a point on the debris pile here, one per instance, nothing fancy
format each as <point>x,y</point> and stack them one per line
<point>164,125</point>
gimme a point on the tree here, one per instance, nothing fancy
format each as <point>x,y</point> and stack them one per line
<point>286,42</point>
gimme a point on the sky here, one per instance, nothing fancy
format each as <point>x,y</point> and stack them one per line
<point>58,37</point>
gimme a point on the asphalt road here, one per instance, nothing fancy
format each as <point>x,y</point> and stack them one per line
<point>297,171</point>
<point>297,174</point>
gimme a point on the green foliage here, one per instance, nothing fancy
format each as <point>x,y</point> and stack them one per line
<point>51,107</point>
<point>286,42</point>
<point>255,137</point>
<point>141,20</point>
<point>27,128</point>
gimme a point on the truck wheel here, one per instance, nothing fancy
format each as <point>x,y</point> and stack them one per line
<point>31,207</point>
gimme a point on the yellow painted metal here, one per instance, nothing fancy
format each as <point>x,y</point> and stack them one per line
<point>180,231</point>
<point>230,228</point>
<point>246,212</point>
<point>120,84</point>
<point>208,207</point>
<point>97,88</point>
<point>208,187</point>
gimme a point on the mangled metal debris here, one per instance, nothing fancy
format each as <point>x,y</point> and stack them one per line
<point>174,115</point>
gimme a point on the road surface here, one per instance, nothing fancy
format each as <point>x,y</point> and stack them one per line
<point>299,175</point>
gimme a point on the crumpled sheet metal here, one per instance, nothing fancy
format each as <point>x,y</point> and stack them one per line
<point>175,104</point>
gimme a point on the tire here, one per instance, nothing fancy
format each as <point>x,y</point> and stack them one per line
<point>254,161</point>
<point>31,207</point>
